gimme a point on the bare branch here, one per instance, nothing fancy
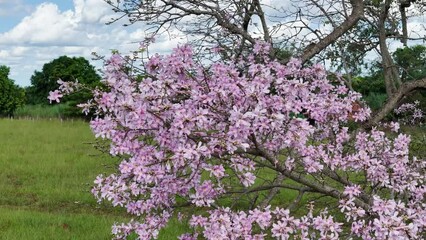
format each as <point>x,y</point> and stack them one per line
<point>356,15</point>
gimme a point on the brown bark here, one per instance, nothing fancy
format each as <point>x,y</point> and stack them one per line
<point>390,70</point>
<point>404,37</point>
<point>261,14</point>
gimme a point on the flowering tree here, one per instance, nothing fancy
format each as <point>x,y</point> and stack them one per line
<point>339,32</point>
<point>225,138</point>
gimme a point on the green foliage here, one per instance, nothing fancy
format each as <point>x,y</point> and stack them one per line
<point>11,95</point>
<point>374,83</point>
<point>284,54</point>
<point>412,62</point>
<point>71,101</point>
<point>65,68</point>
<point>375,100</point>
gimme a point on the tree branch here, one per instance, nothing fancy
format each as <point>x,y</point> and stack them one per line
<point>220,19</point>
<point>390,71</point>
<point>394,99</point>
<point>272,192</point>
<point>351,21</point>
<point>299,178</point>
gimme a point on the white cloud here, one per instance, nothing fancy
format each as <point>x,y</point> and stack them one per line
<point>47,33</point>
<point>47,25</point>
<point>92,11</point>
<point>4,54</point>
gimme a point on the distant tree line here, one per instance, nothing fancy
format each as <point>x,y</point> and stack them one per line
<point>67,69</point>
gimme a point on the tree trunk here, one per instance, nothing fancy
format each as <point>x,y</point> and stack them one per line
<point>390,70</point>
<point>394,99</point>
<point>404,24</point>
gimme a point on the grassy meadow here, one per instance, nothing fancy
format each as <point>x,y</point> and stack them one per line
<point>47,168</point>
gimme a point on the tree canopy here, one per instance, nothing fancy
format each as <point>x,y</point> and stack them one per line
<point>11,95</point>
<point>67,69</point>
<point>225,138</point>
<point>411,62</point>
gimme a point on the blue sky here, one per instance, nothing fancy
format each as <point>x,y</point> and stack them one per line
<point>34,32</point>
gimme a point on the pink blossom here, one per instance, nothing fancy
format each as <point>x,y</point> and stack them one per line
<point>352,191</point>
<point>55,96</point>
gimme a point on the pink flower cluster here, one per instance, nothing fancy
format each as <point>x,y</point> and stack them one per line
<point>192,135</point>
<point>223,223</point>
<point>64,89</point>
<point>410,113</point>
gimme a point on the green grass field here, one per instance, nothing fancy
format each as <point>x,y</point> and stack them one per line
<point>46,172</point>
<point>47,168</point>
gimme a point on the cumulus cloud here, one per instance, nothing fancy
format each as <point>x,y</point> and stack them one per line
<point>47,25</point>
<point>92,11</point>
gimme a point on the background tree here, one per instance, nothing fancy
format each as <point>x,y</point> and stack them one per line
<point>11,95</point>
<point>68,69</point>
<point>411,64</point>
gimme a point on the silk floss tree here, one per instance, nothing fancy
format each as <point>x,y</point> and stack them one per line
<point>248,141</point>
<point>230,139</point>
